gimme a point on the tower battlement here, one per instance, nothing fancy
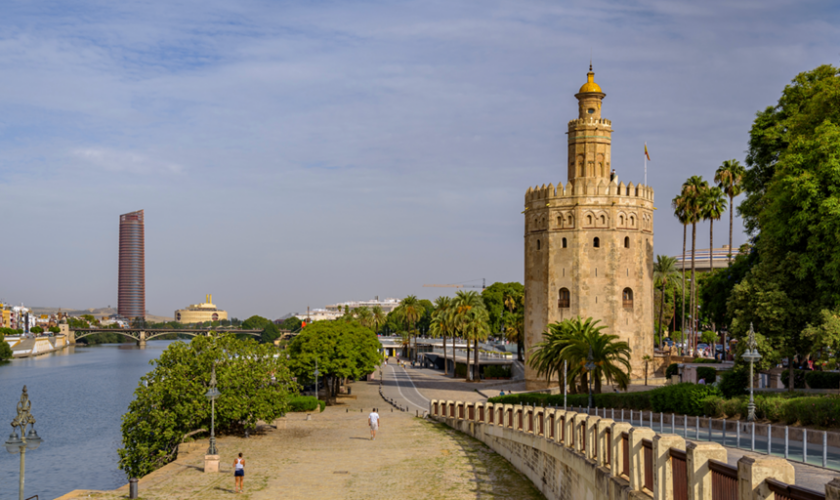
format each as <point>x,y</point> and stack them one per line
<point>589,121</point>
<point>588,187</point>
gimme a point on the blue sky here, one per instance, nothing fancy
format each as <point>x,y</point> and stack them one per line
<point>301,153</point>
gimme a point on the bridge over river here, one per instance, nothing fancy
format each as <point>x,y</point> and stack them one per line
<point>141,335</point>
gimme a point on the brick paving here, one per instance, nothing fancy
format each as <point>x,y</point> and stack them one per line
<point>331,456</point>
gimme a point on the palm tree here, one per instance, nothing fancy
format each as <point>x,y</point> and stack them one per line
<point>377,318</point>
<point>679,206</point>
<point>713,206</point>
<point>511,299</point>
<point>665,273</point>
<point>412,311</point>
<point>364,316</point>
<point>694,189</point>
<point>571,340</point>
<point>729,177</point>
<point>465,318</point>
<point>441,326</point>
<point>478,329</point>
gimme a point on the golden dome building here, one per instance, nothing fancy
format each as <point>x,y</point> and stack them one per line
<point>200,313</point>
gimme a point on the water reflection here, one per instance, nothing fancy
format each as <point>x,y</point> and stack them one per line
<point>78,396</point>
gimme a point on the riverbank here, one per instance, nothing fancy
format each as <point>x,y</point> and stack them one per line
<point>24,347</point>
<point>331,456</point>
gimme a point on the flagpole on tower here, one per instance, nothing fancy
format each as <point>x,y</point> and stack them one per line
<point>647,157</point>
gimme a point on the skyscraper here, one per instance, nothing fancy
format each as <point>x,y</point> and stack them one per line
<point>131,299</point>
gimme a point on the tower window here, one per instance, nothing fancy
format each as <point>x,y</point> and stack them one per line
<point>626,242</point>
<point>596,242</point>
<point>603,219</point>
<point>627,298</point>
<point>589,219</point>
<point>591,111</point>
<point>538,244</point>
<point>565,300</point>
<point>564,242</point>
<point>560,221</point>
<point>632,221</point>
<point>571,220</point>
<point>620,220</point>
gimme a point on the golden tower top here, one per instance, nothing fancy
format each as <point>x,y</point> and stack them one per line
<point>590,85</point>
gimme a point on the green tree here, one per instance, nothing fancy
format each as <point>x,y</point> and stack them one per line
<point>36,330</point>
<point>470,319</point>
<point>255,323</point>
<point>55,329</point>
<point>679,204</point>
<point>665,273</point>
<point>729,177</point>
<point>514,299</point>
<point>441,325</point>
<point>5,350</point>
<point>494,297</point>
<point>713,205</point>
<point>271,332</point>
<point>571,340</point>
<point>291,324</point>
<point>377,319</point>
<point>169,401</point>
<point>412,310</point>
<point>342,350</point>
<point>693,190</point>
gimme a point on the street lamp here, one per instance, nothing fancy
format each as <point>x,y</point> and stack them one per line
<point>751,355</point>
<point>211,394</point>
<point>19,444</point>
<point>590,367</point>
<point>565,381</point>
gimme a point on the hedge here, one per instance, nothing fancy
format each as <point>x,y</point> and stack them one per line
<point>820,411</point>
<point>708,373</point>
<point>305,403</point>
<point>814,379</point>
<point>497,371</point>
<point>679,398</point>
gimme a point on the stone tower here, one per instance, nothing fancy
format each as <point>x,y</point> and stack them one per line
<point>589,244</point>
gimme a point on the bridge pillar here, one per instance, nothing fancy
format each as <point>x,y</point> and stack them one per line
<point>142,341</point>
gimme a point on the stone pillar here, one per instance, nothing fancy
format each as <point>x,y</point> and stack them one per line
<point>663,480</point>
<point>753,471</point>
<point>211,463</point>
<point>558,428</point>
<point>618,428</point>
<point>142,341</point>
<point>637,458</point>
<point>699,476</point>
<point>580,418</point>
<point>592,439</point>
<point>832,490</point>
<point>568,429</point>
<point>603,445</point>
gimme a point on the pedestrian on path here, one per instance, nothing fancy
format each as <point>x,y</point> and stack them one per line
<point>373,422</point>
<point>238,474</point>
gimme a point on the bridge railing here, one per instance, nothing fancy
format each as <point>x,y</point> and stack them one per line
<point>658,465</point>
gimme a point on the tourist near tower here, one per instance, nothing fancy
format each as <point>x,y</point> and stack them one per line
<point>589,243</point>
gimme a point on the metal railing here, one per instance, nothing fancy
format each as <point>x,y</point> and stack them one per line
<point>647,456</point>
<point>724,481</point>
<point>679,473</point>
<point>791,492</point>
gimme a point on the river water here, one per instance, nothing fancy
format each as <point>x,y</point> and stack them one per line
<point>78,398</point>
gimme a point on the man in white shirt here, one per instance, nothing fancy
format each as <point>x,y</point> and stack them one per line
<point>373,422</point>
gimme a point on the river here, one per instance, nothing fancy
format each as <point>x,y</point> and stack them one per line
<point>78,398</point>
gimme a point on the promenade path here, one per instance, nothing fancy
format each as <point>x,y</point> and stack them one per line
<point>331,456</point>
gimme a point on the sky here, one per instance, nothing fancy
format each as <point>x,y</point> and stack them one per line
<point>300,153</point>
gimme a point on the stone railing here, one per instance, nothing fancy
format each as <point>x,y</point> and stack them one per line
<point>570,455</point>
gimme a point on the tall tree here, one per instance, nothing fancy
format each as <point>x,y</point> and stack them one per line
<point>679,205</point>
<point>694,189</point>
<point>729,177</point>
<point>441,325</point>
<point>412,311</point>
<point>512,300</point>
<point>469,312</point>
<point>665,273</point>
<point>377,318</point>
<point>713,205</point>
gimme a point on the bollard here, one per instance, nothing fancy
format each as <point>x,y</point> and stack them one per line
<point>132,487</point>
<point>805,445</point>
<point>752,437</point>
<point>825,449</point>
<point>769,439</point>
<point>786,442</point>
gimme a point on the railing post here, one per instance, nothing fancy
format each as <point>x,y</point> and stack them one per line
<point>637,456</point>
<point>786,442</point>
<point>613,414</point>
<point>769,439</point>
<point>737,433</point>
<point>617,429</point>
<point>753,471</point>
<point>752,437</point>
<point>673,420</point>
<point>696,427</point>
<point>699,477</point>
<point>661,420</point>
<point>663,482</point>
<point>724,432</point>
<point>651,420</point>
<point>805,445</point>
<point>825,449</point>
<point>601,439</point>
<point>710,428</point>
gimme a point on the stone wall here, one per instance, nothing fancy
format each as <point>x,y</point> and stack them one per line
<point>576,456</point>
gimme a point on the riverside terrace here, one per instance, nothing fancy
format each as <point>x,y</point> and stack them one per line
<point>570,455</point>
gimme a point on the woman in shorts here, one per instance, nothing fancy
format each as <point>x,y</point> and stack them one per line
<point>238,474</point>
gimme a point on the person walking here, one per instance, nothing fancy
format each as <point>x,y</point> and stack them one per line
<point>238,474</point>
<point>373,422</point>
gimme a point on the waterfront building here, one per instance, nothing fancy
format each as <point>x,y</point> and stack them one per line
<point>200,313</point>
<point>589,243</point>
<point>131,296</point>
<point>720,259</point>
<point>387,305</point>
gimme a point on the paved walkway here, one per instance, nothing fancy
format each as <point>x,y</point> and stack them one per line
<point>331,456</point>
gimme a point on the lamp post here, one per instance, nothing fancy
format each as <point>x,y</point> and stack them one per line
<point>316,378</point>
<point>751,355</point>
<point>590,367</point>
<point>565,382</point>
<point>19,444</point>
<point>212,394</point>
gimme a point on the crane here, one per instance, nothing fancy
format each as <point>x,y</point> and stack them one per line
<point>483,285</point>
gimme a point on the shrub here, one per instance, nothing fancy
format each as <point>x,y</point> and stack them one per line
<point>734,382</point>
<point>708,373</point>
<point>822,380</point>
<point>36,329</point>
<point>497,371</point>
<point>704,360</point>
<point>798,379</point>
<point>305,403</point>
<point>673,369</point>
<point>683,398</point>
